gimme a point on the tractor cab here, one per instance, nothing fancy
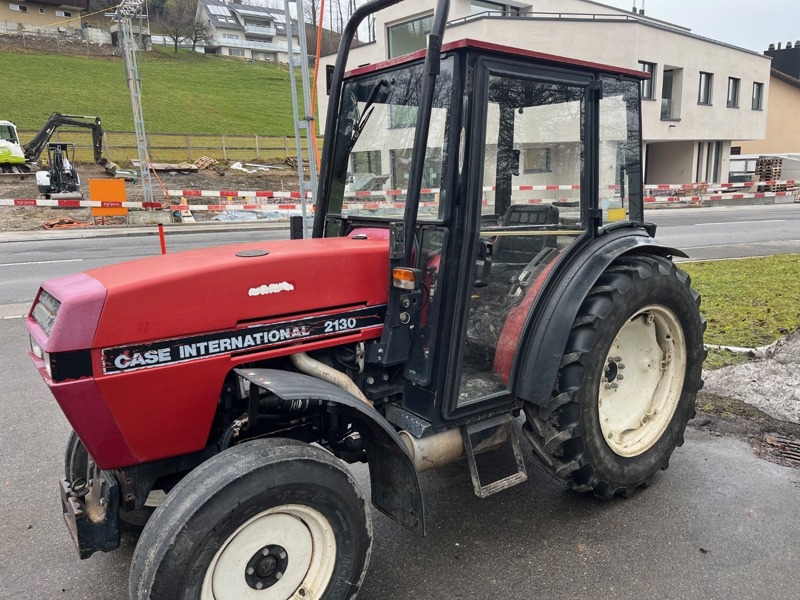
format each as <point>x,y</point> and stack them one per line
<point>528,159</point>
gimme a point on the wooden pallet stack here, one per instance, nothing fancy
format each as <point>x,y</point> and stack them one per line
<point>768,168</point>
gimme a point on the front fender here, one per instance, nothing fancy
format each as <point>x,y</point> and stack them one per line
<point>393,478</point>
<point>543,343</point>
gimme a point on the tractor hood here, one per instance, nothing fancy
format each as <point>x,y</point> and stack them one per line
<point>221,288</point>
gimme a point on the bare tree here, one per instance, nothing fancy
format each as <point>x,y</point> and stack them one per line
<point>177,20</point>
<point>200,33</point>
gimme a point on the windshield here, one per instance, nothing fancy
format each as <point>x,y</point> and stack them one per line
<point>7,133</point>
<point>373,156</point>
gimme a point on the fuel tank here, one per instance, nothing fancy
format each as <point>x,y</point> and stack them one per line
<point>158,335</point>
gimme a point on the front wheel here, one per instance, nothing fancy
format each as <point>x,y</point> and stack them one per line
<point>266,520</point>
<point>628,380</point>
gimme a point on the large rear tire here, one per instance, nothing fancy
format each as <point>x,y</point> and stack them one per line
<point>628,380</point>
<point>266,520</point>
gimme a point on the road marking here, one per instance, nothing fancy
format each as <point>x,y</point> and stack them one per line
<point>13,317</point>
<point>775,242</point>
<point>41,262</point>
<point>742,222</point>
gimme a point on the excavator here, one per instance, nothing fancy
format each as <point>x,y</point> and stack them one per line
<point>18,158</point>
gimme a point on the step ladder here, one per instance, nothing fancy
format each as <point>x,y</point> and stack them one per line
<point>491,446</point>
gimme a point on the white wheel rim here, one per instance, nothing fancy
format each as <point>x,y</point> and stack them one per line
<point>303,533</point>
<point>642,381</point>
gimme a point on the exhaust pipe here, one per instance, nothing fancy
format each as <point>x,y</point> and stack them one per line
<point>305,364</point>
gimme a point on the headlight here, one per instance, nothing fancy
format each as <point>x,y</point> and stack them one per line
<point>44,356</point>
<point>45,311</point>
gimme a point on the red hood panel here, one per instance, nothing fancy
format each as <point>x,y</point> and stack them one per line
<point>213,288</point>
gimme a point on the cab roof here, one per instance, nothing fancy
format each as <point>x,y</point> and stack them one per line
<point>499,48</point>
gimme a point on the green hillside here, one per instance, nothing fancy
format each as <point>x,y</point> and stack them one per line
<point>181,93</point>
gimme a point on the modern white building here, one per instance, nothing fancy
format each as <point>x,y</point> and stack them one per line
<point>702,94</point>
<point>245,31</point>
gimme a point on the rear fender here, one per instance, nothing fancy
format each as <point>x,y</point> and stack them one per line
<point>393,478</point>
<point>545,338</point>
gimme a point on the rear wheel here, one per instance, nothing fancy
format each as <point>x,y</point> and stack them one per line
<point>628,380</point>
<point>266,520</point>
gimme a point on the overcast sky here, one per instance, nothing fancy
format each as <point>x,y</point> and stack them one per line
<point>748,24</point>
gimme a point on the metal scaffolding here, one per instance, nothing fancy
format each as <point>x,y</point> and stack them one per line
<point>127,11</point>
<point>307,121</point>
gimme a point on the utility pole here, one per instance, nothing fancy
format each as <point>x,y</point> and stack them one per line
<point>307,121</point>
<point>126,12</point>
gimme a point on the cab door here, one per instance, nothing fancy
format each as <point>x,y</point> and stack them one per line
<point>525,208</point>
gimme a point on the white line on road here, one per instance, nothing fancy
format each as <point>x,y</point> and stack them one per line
<point>774,243</point>
<point>741,222</point>
<point>41,262</point>
<point>13,317</point>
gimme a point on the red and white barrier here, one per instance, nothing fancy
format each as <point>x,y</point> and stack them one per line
<point>76,203</point>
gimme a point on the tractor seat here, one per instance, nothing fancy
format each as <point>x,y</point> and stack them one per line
<point>520,250</point>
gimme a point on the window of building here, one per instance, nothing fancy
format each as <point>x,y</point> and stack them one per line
<point>704,91</point>
<point>235,52</point>
<point>484,6</point>
<point>41,11</point>
<point>733,92</point>
<point>671,86</point>
<point>736,150</point>
<point>409,36</point>
<point>230,36</point>
<point>758,96</point>
<point>648,85</point>
<point>367,161</point>
<point>18,7</point>
<point>63,13</point>
<point>536,160</point>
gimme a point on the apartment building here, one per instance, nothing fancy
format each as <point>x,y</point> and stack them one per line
<point>697,100</point>
<point>783,105</point>
<point>24,14</point>
<point>245,31</point>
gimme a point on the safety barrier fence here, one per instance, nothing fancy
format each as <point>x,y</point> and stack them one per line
<point>260,200</point>
<point>120,146</point>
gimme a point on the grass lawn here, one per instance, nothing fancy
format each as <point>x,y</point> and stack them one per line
<point>749,302</point>
<point>182,92</point>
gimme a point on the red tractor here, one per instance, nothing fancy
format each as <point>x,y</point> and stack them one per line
<point>447,316</point>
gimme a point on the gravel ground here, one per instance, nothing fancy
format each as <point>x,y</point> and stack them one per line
<point>24,218</point>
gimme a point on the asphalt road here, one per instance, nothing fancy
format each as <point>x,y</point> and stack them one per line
<point>24,265</point>
<point>719,524</point>
<point>704,233</point>
<point>712,233</point>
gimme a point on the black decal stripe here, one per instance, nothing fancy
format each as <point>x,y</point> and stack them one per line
<point>247,339</point>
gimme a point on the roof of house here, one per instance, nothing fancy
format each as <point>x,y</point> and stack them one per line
<point>785,78</point>
<point>79,4</point>
<point>217,11</point>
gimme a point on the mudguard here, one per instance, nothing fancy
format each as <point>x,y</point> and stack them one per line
<point>393,478</point>
<point>545,338</point>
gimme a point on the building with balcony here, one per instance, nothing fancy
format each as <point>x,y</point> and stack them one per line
<point>696,102</point>
<point>244,31</point>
